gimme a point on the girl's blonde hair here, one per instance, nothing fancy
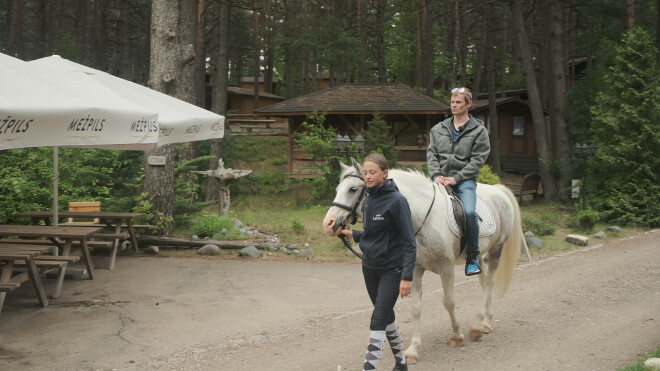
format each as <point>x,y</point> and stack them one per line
<point>378,159</point>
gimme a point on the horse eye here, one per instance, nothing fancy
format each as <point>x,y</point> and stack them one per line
<point>353,189</point>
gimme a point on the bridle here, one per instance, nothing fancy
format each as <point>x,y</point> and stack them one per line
<point>352,214</point>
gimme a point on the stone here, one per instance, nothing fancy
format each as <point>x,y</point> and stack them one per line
<point>209,249</point>
<point>600,234</point>
<point>151,250</point>
<point>534,243</point>
<point>577,240</point>
<point>529,234</point>
<point>250,252</point>
<point>306,253</point>
<point>652,364</point>
<point>614,229</point>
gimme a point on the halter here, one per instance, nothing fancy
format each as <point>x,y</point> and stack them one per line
<point>352,215</point>
<point>352,211</point>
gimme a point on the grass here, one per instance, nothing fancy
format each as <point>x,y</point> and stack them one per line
<point>639,365</point>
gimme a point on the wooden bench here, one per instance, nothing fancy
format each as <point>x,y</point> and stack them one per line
<point>49,262</point>
<point>9,287</point>
<point>529,186</point>
<point>91,244</point>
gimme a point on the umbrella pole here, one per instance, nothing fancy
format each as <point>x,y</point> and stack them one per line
<point>56,185</point>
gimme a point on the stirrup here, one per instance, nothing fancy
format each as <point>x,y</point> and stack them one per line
<point>472,266</point>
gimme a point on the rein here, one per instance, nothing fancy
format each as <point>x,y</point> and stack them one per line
<point>428,211</point>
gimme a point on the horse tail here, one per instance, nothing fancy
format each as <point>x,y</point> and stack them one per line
<point>512,247</point>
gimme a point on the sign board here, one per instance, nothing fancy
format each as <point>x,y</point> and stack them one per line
<point>156,160</point>
<point>575,188</point>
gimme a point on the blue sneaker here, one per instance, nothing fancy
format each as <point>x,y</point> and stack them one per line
<point>472,266</point>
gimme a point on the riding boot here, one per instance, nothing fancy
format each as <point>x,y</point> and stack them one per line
<point>374,350</point>
<point>396,343</point>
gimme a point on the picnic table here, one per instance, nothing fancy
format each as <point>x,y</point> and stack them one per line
<point>112,223</point>
<point>62,237</point>
<point>11,257</point>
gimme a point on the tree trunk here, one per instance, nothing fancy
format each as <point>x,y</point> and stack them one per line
<point>493,120</point>
<point>256,51</point>
<point>16,31</point>
<point>171,54</point>
<point>631,15</point>
<point>82,37</point>
<point>362,37</point>
<point>426,46</point>
<point>219,99</point>
<point>39,28</point>
<point>381,8</point>
<point>540,131</point>
<point>558,67</point>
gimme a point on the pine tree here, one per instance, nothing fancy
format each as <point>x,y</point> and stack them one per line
<point>624,180</point>
<point>379,140</point>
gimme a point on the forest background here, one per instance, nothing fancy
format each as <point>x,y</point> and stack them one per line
<point>491,46</point>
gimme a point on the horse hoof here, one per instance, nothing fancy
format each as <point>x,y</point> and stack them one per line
<point>411,356</point>
<point>455,343</point>
<point>476,334</point>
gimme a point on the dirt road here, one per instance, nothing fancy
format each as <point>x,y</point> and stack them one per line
<point>594,309</point>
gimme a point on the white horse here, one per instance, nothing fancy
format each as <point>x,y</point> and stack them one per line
<point>438,247</point>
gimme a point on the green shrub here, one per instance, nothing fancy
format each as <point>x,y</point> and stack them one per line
<point>486,176</point>
<point>538,227</point>
<point>208,225</point>
<point>297,226</point>
<point>585,219</point>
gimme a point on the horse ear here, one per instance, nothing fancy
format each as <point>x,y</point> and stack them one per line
<point>356,165</point>
<point>343,166</point>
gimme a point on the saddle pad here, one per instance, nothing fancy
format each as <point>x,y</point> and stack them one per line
<point>486,219</point>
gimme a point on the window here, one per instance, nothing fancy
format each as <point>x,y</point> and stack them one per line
<point>518,126</point>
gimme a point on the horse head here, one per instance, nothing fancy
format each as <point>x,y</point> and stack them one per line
<point>345,208</point>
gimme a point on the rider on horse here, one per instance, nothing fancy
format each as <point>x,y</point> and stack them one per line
<point>458,147</point>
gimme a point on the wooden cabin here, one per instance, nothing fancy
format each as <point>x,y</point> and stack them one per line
<point>349,107</point>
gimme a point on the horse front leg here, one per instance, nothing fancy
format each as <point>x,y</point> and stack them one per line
<point>482,322</point>
<point>416,294</point>
<point>457,339</point>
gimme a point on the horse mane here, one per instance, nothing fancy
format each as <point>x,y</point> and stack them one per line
<point>413,172</point>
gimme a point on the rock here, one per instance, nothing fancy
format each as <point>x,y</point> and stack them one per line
<point>534,243</point>
<point>306,253</point>
<point>209,250</point>
<point>250,252</point>
<point>529,234</point>
<point>652,364</point>
<point>614,229</point>
<point>577,240</point>
<point>151,250</point>
<point>600,234</point>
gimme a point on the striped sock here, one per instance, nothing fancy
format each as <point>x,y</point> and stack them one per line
<point>374,350</point>
<point>396,342</point>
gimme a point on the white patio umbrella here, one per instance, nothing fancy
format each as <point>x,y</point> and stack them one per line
<point>178,120</point>
<point>42,108</point>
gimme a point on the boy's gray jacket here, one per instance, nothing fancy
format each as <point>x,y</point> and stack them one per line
<point>463,159</point>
